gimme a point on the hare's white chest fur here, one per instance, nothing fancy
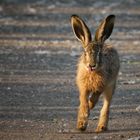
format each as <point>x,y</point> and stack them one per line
<point>93,81</point>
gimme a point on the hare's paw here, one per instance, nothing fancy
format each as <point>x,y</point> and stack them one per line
<point>100,128</point>
<point>82,124</point>
<point>82,119</point>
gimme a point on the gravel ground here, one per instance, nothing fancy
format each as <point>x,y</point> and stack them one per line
<point>38,58</point>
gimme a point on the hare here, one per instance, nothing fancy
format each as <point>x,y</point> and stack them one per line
<point>97,71</point>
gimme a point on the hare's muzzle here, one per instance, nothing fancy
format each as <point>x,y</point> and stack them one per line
<point>91,67</point>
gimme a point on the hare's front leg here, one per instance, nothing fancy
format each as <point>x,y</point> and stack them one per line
<point>104,114</point>
<point>83,112</point>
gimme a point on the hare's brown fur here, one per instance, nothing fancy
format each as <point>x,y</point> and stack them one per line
<point>107,74</point>
<point>97,70</point>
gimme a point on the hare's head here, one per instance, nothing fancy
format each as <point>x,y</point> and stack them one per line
<point>92,48</point>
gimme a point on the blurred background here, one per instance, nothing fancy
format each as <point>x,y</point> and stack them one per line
<point>38,58</point>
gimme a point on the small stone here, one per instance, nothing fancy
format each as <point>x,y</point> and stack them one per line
<point>103,11</point>
<point>131,82</point>
<point>51,7</point>
<point>60,131</point>
<point>71,137</point>
<point>66,130</point>
<point>31,10</point>
<point>55,120</point>
<point>95,137</point>
<point>135,42</point>
<point>64,125</point>
<point>120,73</point>
<point>95,118</point>
<point>9,88</point>
<point>138,109</point>
<point>121,136</point>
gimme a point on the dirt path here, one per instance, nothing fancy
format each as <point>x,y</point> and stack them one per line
<point>38,56</point>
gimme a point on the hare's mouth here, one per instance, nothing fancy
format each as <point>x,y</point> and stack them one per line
<point>91,67</point>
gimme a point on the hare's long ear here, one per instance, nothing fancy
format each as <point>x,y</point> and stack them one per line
<point>105,29</point>
<point>81,30</point>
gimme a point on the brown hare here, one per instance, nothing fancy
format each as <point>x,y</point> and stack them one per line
<point>97,71</point>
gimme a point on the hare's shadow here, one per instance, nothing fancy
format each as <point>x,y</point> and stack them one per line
<point>108,131</point>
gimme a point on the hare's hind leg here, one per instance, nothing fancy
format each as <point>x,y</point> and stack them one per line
<point>93,99</point>
<point>83,112</point>
<point>104,114</point>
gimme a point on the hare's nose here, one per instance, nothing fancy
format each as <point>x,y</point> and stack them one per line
<point>92,66</point>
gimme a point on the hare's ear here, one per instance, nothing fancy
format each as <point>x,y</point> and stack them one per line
<point>104,30</point>
<point>81,30</point>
